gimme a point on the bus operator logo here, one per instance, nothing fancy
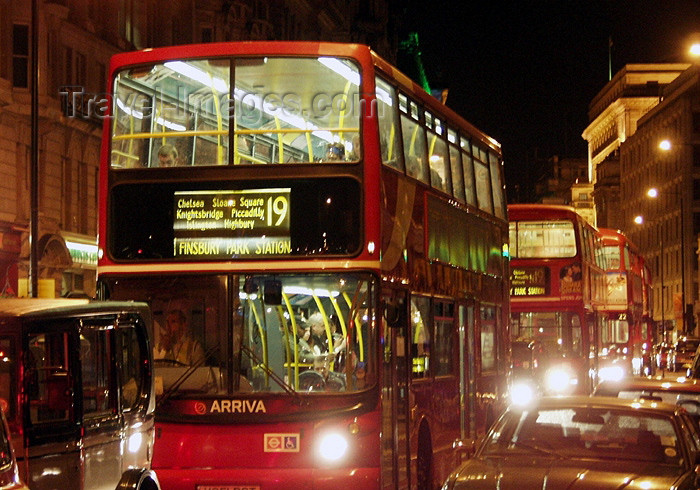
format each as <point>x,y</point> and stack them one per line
<point>234,406</point>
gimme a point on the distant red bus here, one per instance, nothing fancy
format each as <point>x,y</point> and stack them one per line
<point>626,338</point>
<point>557,287</point>
<point>327,243</point>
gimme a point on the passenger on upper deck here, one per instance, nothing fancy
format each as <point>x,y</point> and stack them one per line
<point>167,155</point>
<point>335,152</point>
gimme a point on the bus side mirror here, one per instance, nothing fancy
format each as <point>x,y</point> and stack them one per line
<point>272,293</point>
<point>394,313</point>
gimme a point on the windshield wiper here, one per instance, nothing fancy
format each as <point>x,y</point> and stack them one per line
<point>184,376</point>
<point>539,449</point>
<point>276,378</point>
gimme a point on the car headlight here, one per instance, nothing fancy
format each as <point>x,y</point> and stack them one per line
<point>559,380</point>
<point>332,447</point>
<point>611,373</point>
<point>522,393</point>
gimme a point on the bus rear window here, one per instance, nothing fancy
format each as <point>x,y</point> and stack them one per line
<point>542,239</point>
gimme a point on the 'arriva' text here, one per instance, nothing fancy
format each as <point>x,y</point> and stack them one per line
<point>237,406</point>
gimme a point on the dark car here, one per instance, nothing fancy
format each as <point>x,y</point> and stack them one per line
<point>685,350</point>
<point>680,390</point>
<point>585,442</point>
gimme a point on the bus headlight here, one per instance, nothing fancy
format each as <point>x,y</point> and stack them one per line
<point>559,380</point>
<point>332,447</point>
<point>611,373</point>
<point>522,393</point>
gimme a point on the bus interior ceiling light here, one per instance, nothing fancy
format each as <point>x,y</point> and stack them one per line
<point>222,87</point>
<point>341,69</point>
<point>159,120</point>
<point>197,75</point>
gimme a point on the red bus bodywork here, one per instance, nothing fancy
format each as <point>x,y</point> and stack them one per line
<point>628,336</point>
<point>402,426</point>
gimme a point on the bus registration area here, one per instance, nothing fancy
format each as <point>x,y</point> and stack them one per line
<point>224,224</point>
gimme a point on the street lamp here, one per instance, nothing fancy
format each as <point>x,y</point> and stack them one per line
<point>694,46</point>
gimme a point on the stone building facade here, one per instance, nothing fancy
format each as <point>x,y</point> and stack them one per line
<point>613,114</point>
<point>667,238</point>
<point>75,40</point>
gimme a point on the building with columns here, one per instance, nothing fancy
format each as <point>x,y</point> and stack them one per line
<point>75,40</point>
<point>613,114</point>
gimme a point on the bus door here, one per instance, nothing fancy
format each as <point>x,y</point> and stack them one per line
<point>467,372</point>
<point>395,416</point>
<point>52,435</point>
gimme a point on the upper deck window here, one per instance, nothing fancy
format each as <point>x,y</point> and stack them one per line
<point>482,179</point>
<point>241,111</point>
<point>612,256</point>
<point>388,132</point>
<point>542,239</point>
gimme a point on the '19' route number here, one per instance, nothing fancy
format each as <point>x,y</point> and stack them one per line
<point>277,206</point>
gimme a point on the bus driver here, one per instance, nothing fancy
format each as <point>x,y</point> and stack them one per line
<point>176,341</point>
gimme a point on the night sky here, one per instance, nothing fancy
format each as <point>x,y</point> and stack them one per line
<point>525,71</point>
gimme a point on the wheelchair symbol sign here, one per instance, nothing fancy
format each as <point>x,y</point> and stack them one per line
<point>281,443</point>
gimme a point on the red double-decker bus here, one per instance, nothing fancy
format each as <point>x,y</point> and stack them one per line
<point>322,245</point>
<point>626,337</point>
<point>557,288</point>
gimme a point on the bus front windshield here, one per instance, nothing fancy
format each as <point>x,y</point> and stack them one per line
<point>558,333</point>
<point>239,111</point>
<point>225,334</point>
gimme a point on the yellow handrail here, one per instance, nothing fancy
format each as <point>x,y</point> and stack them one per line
<point>392,135</point>
<point>280,140</point>
<point>215,132</point>
<point>219,123</point>
<point>341,319</point>
<point>263,340</point>
<point>341,114</point>
<point>294,333</point>
<point>358,328</point>
<point>287,349</point>
<point>327,326</point>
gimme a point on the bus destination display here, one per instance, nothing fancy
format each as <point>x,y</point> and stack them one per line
<point>529,281</point>
<point>220,224</point>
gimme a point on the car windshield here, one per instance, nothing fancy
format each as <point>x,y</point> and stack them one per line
<point>585,432</point>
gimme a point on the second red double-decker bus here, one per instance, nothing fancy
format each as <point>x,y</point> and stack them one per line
<point>626,337</point>
<point>557,286</point>
<point>322,244</point>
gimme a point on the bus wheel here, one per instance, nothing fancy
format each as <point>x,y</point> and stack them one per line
<point>424,467</point>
